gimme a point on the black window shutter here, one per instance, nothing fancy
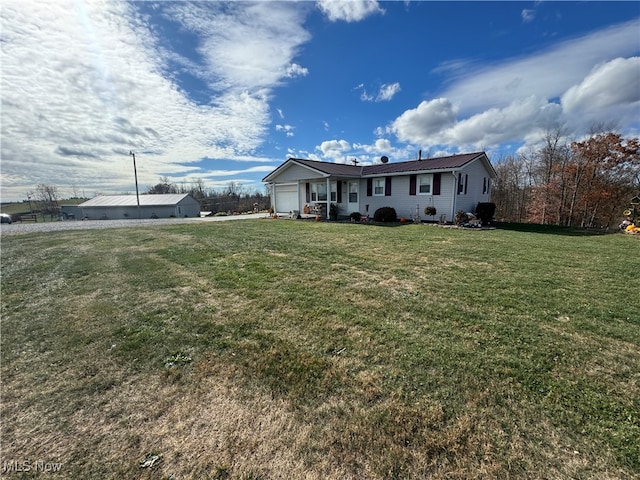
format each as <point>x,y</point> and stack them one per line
<point>412,184</point>
<point>339,191</point>
<point>466,182</point>
<point>308,193</point>
<point>436,184</point>
<point>387,187</point>
<point>369,187</point>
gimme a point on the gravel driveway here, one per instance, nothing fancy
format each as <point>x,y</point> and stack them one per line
<point>19,228</point>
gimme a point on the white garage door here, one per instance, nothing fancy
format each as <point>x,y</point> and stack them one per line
<point>286,198</point>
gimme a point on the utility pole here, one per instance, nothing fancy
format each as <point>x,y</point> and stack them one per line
<point>135,173</point>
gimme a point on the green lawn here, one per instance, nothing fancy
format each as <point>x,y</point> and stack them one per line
<point>264,349</point>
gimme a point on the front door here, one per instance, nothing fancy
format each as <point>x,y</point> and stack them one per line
<point>353,202</point>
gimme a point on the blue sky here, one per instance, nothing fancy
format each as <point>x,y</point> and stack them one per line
<point>225,92</point>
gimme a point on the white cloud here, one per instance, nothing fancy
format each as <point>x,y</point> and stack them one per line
<point>364,96</point>
<point>608,85</point>
<point>546,74</point>
<point>349,10</point>
<point>231,173</point>
<point>497,125</point>
<point>287,129</point>
<point>245,45</point>
<point>381,146</point>
<point>341,151</point>
<point>518,100</point>
<point>528,15</point>
<point>419,125</point>
<point>334,149</point>
<point>433,123</point>
<point>295,70</point>
<point>387,92</point>
<point>370,154</point>
<point>85,82</point>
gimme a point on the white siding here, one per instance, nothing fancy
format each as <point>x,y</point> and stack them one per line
<point>186,206</point>
<point>405,204</point>
<point>447,203</point>
<point>296,172</point>
<point>476,174</point>
<point>189,207</point>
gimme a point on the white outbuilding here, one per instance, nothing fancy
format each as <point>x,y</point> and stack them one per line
<point>115,207</point>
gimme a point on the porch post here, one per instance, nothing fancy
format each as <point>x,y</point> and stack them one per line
<point>454,196</point>
<point>273,196</point>
<point>328,195</point>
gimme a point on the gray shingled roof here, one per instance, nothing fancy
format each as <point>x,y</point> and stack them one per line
<point>330,168</point>
<point>440,163</point>
<point>130,200</point>
<point>345,170</point>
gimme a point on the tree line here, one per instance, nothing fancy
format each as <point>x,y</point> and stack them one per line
<point>584,183</point>
<point>232,198</point>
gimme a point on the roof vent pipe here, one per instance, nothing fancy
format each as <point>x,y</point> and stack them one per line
<point>419,154</point>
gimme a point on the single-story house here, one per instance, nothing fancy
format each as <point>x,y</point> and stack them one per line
<point>449,184</point>
<point>113,207</point>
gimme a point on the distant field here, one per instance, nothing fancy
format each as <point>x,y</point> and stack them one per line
<point>18,208</point>
<point>13,208</point>
<point>267,349</point>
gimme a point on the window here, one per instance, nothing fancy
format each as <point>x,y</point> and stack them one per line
<point>336,191</point>
<point>353,192</point>
<point>486,185</point>
<point>463,180</point>
<point>318,192</point>
<point>424,184</point>
<point>378,186</point>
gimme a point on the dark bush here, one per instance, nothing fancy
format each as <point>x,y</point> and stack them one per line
<point>485,212</point>
<point>355,216</point>
<point>385,215</point>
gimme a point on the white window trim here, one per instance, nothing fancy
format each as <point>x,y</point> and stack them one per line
<point>462,183</point>
<point>486,186</point>
<point>349,192</point>
<point>377,181</point>
<point>315,197</point>
<point>419,183</point>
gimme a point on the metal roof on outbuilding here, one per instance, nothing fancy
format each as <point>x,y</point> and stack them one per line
<point>130,200</point>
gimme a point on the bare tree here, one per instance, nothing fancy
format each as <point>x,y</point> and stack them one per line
<point>165,186</point>
<point>552,158</point>
<point>47,196</point>
<point>511,189</point>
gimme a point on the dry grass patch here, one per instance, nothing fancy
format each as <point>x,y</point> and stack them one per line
<point>278,350</point>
